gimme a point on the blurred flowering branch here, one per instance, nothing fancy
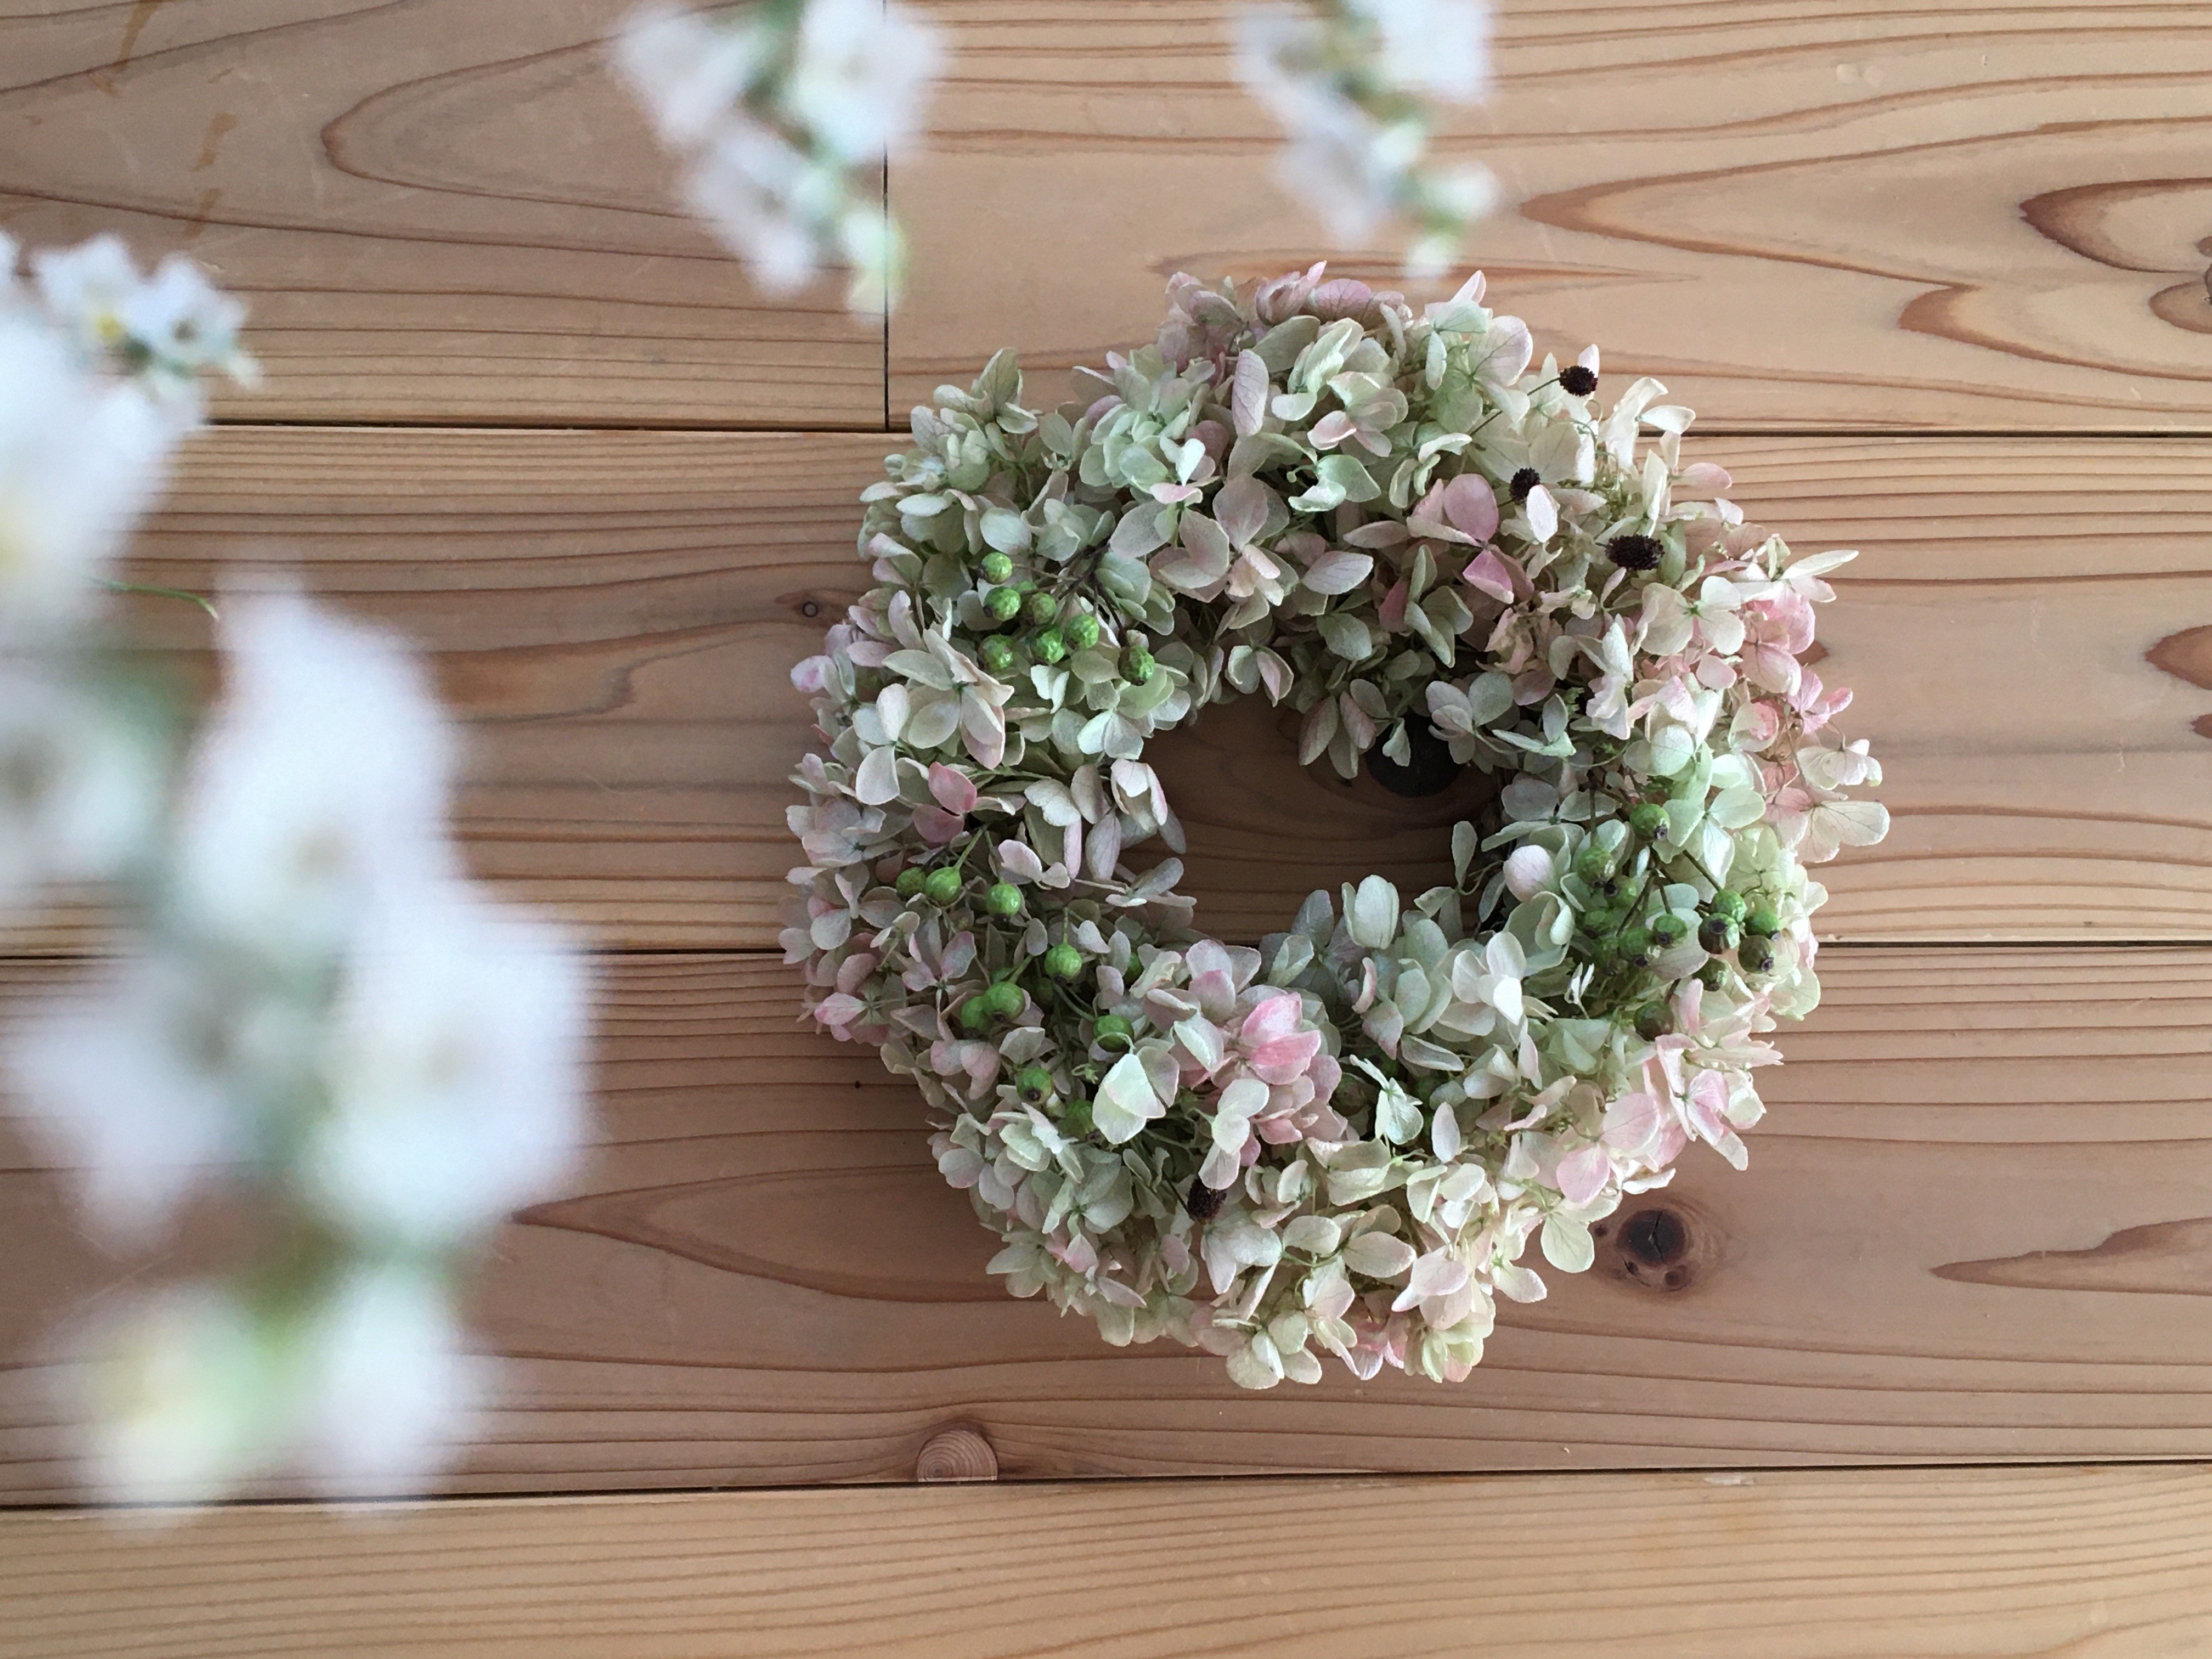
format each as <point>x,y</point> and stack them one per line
<point>317,1014</point>
<point>782,113</point>
<point>1356,83</point>
<point>782,110</point>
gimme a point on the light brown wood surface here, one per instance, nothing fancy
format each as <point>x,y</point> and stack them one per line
<point>1857,213</point>
<point>436,209</point>
<point>1976,1225</point>
<point>1981,1563</point>
<point>2029,633</point>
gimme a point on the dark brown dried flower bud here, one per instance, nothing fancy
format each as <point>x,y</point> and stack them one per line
<point>1576,379</point>
<point>1636,552</point>
<point>1203,1202</point>
<point>1524,481</point>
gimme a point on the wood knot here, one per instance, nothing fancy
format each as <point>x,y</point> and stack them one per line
<point>959,1453</point>
<point>1661,1247</point>
<point>811,603</point>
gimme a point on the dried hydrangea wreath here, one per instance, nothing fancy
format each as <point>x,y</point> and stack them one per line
<point>1341,1141</point>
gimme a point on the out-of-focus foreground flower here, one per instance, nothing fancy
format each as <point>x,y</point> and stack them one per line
<point>1355,84</point>
<point>323,1018</point>
<point>782,113</point>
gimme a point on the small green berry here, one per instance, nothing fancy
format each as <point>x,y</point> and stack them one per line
<point>1035,1084</point>
<point>1039,609</point>
<point>910,880</point>
<point>1594,864</point>
<point>1599,920</point>
<point>1728,903</point>
<point>1063,962</point>
<point>1082,631</point>
<point>1763,922</point>
<point>1755,955</point>
<point>996,567</point>
<point>1718,935</point>
<point>1635,945</point>
<point>1654,1022</point>
<point>1713,976</point>
<point>973,1015</point>
<point>1112,1028</point>
<point>1004,899</point>
<point>1004,603</point>
<point>1649,819</point>
<point>1137,664</point>
<point>1003,999</point>
<point>997,654</point>
<point>1076,1117</point>
<point>1050,646</point>
<point>1668,930</point>
<point>943,886</point>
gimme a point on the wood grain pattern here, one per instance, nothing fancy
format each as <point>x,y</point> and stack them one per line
<point>1883,215</point>
<point>617,613</point>
<point>437,210</point>
<point>1975,1226</point>
<point>1975,1564</point>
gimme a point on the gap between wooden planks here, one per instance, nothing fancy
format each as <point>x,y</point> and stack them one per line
<point>1976,1225</point>
<point>1968,1564</point>
<point>1889,214</point>
<point>2029,633</point>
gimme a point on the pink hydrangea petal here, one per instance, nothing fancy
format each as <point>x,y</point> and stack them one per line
<point>936,826</point>
<point>1632,1120</point>
<point>1471,505</point>
<point>954,789</point>
<point>1583,1174</point>
<point>1492,573</point>
<point>1285,1058</point>
<point>1274,1017</point>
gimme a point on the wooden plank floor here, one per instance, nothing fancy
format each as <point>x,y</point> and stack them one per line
<point>1934,273</point>
<point>1978,1224</point>
<point>1887,215</point>
<point>1986,1564</point>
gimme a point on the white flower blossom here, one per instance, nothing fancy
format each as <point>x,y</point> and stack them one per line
<point>454,1074</point>
<point>779,117</point>
<point>321,781</point>
<point>1351,85</point>
<point>81,458</point>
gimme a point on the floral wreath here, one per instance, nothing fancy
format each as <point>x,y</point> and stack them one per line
<point>1341,1141</point>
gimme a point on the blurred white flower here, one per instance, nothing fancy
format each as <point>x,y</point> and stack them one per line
<point>857,79</point>
<point>781,115</point>
<point>186,1391</point>
<point>321,782</point>
<point>1440,48</point>
<point>80,781</point>
<point>204,1386</point>
<point>168,330</point>
<point>186,328</point>
<point>135,1081</point>
<point>390,1393</point>
<point>324,1015</point>
<point>455,1073</point>
<point>80,458</point>
<point>766,199</point>
<point>1352,82</point>
<point>688,73</point>
<point>86,288</point>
